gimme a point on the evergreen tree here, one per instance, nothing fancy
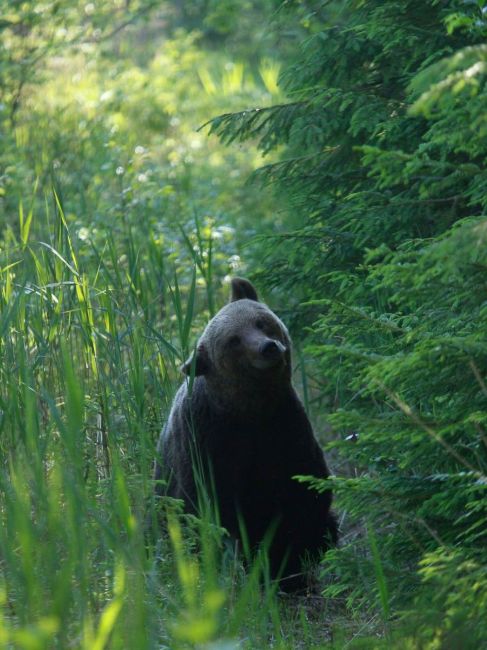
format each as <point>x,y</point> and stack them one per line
<point>382,172</point>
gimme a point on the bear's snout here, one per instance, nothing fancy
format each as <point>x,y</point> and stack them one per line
<point>268,354</point>
<point>271,349</point>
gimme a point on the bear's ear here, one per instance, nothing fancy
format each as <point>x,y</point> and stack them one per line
<point>241,289</point>
<point>198,358</point>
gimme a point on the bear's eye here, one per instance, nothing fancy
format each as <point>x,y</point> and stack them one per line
<point>259,324</point>
<point>233,341</point>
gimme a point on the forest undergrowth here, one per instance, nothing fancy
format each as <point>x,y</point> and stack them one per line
<point>342,168</point>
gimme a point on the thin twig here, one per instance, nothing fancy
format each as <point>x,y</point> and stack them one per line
<point>478,376</point>
<point>407,410</point>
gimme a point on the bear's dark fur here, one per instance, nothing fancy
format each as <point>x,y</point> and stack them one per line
<point>244,426</point>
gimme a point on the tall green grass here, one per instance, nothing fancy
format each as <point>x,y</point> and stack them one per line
<point>90,349</point>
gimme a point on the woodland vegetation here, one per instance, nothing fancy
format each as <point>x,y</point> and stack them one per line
<point>333,151</point>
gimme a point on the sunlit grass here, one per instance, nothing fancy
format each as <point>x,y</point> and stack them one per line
<point>119,235</point>
<point>89,365</point>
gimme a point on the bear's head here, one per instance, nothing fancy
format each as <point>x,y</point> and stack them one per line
<point>244,338</point>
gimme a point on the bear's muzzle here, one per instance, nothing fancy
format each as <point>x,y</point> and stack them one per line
<point>269,354</point>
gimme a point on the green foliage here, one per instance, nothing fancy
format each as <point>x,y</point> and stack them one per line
<point>118,229</point>
<point>120,221</point>
<point>464,608</point>
<point>33,32</point>
<point>383,166</point>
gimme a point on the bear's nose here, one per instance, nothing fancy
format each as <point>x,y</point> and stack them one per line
<point>270,350</point>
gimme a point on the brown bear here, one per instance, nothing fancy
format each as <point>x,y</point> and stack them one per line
<point>241,432</point>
